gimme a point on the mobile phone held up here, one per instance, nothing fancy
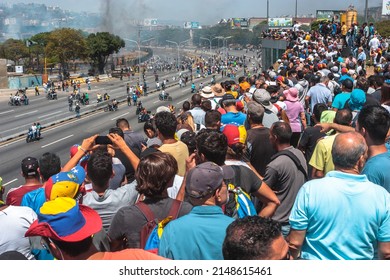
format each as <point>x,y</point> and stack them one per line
<point>102,140</point>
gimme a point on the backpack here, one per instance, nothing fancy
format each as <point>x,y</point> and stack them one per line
<point>152,231</point>
<point>244,204</point>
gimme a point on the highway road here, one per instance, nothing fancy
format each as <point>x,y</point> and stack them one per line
<point>69,130</point>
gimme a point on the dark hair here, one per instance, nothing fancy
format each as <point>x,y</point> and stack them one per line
<point>211,118</point>
<point>166,124</point>
<point>346,155</point>
<point>379,80</point>
<point>99,167</point>
<point>300,74</point>
<point>188,138</point>
<point>122,123</point>
<point>282,131</point>
<point>348,84</point>
<point>186,106</point>
<point>196,99</point>
<point>212,144</point>
<point>376,121</point>
<point>206,105</point>
<point>250,238</point>
<point>150,124</point>
<point>154,172</point>
<point>343,117</point>
<point>318,109</point>
<point>73,249</point>
<point>385,94</point>
<point>116,130</point>
<point>49,164</point>
<point>361,83</point>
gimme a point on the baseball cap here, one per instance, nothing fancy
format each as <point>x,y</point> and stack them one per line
<point>344,70</point>
<point>30,166</point>
<point>163,109</point>
<point>64,219</point>
<point>205,178</point>
<point>357,100</point>
<point>234,134</point>
<point>254,108</point>
<point>263,97</point>
<point>65,184</point>
<point>227,96</point>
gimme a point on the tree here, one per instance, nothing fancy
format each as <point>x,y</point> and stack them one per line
<point>65,45</point>
<point>100,46</point>
<point>14,50</point>
<point>383,28</point>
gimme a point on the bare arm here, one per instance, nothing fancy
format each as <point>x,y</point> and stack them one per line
<point>87,145</point>
<point>303,120</point>
<point>317,174</point>
<point>269,198</point>
<point>190,163</point>
<point>325,127</point>
<point>384,250</point>
<point>119,143</point>
<point>295,240</point>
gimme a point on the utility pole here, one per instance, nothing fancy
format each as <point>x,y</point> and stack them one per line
<point>296,9</point>
<point>366,12</point>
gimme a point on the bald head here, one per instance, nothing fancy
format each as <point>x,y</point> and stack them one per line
<point>347,149</point>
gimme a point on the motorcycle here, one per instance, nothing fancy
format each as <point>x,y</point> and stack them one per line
<point>144,117</point>
<point>14,102</point>
<point>52,95</point>
<point>164,97</point>
<point>31,136</point>
<point>111,107</point>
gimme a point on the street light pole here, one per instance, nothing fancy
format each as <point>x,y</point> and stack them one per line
<point>178,54</point>
<point>178,50</point>
<point>207,40</point>
<point>139,57</point>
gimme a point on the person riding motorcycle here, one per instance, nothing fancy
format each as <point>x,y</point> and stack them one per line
<point>99,97</point>
<point>106,96</point>
<point>163,95</point>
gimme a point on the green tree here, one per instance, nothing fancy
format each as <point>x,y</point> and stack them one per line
<point>383,28</point>
<point>39,42</point>
<point>14,50</point>
<point>65,45</point>
<point>100,46</point>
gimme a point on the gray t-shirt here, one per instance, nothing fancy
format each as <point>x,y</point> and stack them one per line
<point>112,200</point>
<point>285,179</point>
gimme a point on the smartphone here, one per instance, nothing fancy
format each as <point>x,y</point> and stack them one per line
<point>103,140</point>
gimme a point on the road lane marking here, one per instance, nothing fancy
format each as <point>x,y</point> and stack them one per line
<point>7,112</point>
<point>15,128</point>
<point>10,182</point>
<point>50,114</point>
<point>59,140</point>
<point>113,119</point>
<point>28,113</point>
<point>181,101</point>
<point>156,101</point>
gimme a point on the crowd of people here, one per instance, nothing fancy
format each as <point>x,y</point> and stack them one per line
<point>307,141</point>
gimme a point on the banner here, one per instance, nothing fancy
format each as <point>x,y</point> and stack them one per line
<point>280,22</point>
<point>191,25</point>
<point>150,22</point>
<point>331,15</point>
<point>386,8</point>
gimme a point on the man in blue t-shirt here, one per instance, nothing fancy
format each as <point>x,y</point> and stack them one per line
<point>373,124</point>
<point>342,216</point>
<point>232,116</point>
<point>340,99</point>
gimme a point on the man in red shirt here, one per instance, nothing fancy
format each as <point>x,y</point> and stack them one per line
<point>30,172</point>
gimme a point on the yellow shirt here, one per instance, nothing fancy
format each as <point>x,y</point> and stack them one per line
<point>344,30</point>
<point>179,151</point>
<point>322,155</point>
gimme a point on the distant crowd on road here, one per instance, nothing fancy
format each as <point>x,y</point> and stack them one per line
<point>288,163</point>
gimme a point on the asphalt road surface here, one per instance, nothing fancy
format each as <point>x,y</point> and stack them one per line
<point>68,130</point>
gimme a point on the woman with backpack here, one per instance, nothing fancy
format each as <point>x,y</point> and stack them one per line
<point>131,224</point>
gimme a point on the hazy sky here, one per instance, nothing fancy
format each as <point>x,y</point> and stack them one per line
<point>204,11</point>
